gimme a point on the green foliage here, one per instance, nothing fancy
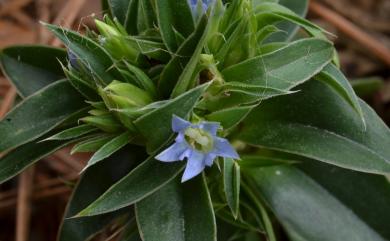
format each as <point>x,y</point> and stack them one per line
<point>95,181</point>
<point>297,200</point>
<point>24,123</point>
<point>134,187</point>
<point>31,68</point>
<point>319,124</point>
<point>313,156</point>
<point>191,216</point>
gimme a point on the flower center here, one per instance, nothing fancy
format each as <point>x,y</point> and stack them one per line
<point>199,139</point>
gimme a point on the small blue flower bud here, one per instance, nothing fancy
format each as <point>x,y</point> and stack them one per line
<point>73,59</point>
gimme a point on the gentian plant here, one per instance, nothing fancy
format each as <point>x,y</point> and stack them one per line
<point>207,120</point>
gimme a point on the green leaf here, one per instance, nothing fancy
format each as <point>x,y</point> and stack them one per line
<point>289,29</point>
<point>234,94</point>
<point>132,17</point>
<point>142,79</point>
<point>297,200</point>
<point>146,16</point>
<point>93,144</point>
<point>92,55</point>
<point>152,49</point>
<point>176,65</point>
<point>265,158</point>
<point>95,181</point>
<point>158,135</point>
<point>30,68</point>
<point>318,123</point>
<point>366,195</point>
<point>119,9</point>
<point>187,78</point>
<point>279,69</point>
<point>22,157</point>
<point>231,183</point>
<point>174,15</point>
<point>73,132</point>
<point>229,118</point>
<point>271,13</point>
<point>335,78</point>
<point>83,87</point>
<point>144,180</point>
<point>179,212</point>
<point>109,148</point>
<point>38,114</point>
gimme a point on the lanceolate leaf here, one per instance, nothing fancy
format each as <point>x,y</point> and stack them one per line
<point>94,57</point>
<point>230,117</point>
<point>319,124</point>
<point>289,29</point>
<point>174,15</point>
<point>146,16</point>
<point>22,157</point>
<point>187,79</point>
<point>284,68</point>
<point>147,178</point>
<point>109,148</point>
<point>307,210</point>
<point>119,9</point>
<point>92,144</point>
<point>152,49</point>
<point>157,135</point>
<point>240,94</point>
<point>31,68</point>
<point>366,195</point>
<point>94,182</point>
<point>335,78</point>
<point>178,212</point>
<point>73,132</point>
<point>132,17</point>
<point>231,182</point>
<point>38,114</point>
<point>174,68</point>
<point>270,13</point>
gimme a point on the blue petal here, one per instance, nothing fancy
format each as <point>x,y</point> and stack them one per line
<point>179,124</point>
<point>195,165</point>
<point>172,153</point>
<point>223,148</point>
<point>186,154</point>
<point>209,160</point>
<point>180,137</point>
<point>211,127</point>
<point>205,7</point>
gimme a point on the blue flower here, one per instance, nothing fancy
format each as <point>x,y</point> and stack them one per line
<point>199,144</point>
<point>204,3</point>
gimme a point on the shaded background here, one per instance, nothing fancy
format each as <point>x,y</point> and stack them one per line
<point>32,204</point>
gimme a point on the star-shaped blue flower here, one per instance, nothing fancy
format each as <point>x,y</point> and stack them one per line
<point>199,144</point>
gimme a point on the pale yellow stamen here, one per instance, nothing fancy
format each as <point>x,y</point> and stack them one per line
<point>199,139</point>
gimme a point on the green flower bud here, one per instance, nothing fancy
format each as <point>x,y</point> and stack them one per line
<point>125,95</point>
<point>106,30</point>
<point>124,98</point>
<point>115,42</point>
